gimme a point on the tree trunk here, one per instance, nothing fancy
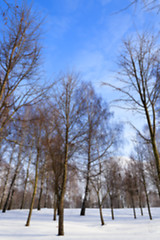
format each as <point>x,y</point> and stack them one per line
<point>41,191</point>
<point>55,207</point>
<point>147,199</point>
<point>140,206</point>
<point>152,130</point>
<point>14,177</point>
<point>25,184</point>
<point>112,211</point>
<point>100,210</point>
<point>11,200</point>
<point>6,179</point>
<point>64,180</point>
<point>133,205</point>
<point>34,190</point>
<point>83,208</point>
<point>61,204</point>
<point>9,192</point>
<point>156,154</point>
<point>140,202</point>
<point>158,188</point>
<point>46,194</point>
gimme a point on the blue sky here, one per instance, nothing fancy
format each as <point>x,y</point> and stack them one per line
<point>85,36</point>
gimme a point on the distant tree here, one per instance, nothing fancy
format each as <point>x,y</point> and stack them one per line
<point>113,181</point>
<point>7,174</point>
<point>97,183</point>
<point>73,194</point>
<point>19,137</point>
<point>141,171</point>
<point>130,185</point>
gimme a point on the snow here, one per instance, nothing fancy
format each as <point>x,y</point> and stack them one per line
<point>124,227</point>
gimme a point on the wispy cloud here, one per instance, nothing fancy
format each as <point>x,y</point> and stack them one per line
<point>98,55</point>
<point>59,26</point>
<point>72,5</point>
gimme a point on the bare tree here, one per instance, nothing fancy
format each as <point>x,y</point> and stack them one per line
<point>130,185</point>
<point>54,148</point>
<point>7,174</point>
<point>98,185</point>
<point>139,84</point>
<point>139,164</point>
<point>113,181</point>
<point>20,52</point>
<point>98,130</point>
<point>37,129</point>
<point>18,158</point>
<point>69,108</point>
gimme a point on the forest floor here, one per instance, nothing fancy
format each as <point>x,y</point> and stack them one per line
<point>124,227</point>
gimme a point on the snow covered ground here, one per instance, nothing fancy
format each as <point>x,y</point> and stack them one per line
<point>124,227</point>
